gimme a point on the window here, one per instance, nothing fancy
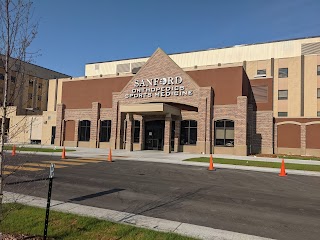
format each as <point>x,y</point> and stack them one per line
<point>282,114</point>
<point>39,97</point>
<point>13,79</point>
<point>105,131</point>
<point>1,76</point>
<point>318,92</point>
<point>224,133</point>
<point>30,83</point>
<point>30,95</point>
<point>84,130</point>
<point>318,70</point>
<point>136,131</point>
<point>39,85</point>
<point>318,114</point>
<point>261,72</point>
<point>282,94</point>
<point>283,72</point>
<point>188,132</point>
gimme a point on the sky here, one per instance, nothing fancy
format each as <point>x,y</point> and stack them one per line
<point>75,32</point>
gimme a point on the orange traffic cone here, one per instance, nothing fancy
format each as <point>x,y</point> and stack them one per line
<point>110,156</point>
<point>283,170</point>
<point>211,168</point>
<point>63,156</point>
<point>13,150</point>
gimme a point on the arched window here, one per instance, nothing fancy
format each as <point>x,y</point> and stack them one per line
<point>136,131</point>
<point>188,134</point>
<point>84,130</point>
<point>105,131</point>
<point>224,133</point>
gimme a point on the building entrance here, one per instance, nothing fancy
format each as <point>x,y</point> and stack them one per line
<point>154,135</point>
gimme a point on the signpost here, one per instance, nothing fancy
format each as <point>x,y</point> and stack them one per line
<point>51,174</point>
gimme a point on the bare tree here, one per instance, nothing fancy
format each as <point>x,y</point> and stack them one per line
<point>17,31</point>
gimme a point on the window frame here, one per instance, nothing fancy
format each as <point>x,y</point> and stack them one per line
<point>105,125</point>
<point>318,93</point>
<point>282,74</point>
<point>84,125</point>
<point>318,70</point>
<point>224,128</point>
<point>189,128</point>
<point>282,98</point>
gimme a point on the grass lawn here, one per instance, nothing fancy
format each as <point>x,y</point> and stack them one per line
<point>35,149</point>
<point>257,163</point>
<point>21,219</point>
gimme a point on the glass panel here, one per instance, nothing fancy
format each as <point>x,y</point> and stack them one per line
<point>282,114</point>
<point>136,135</point>
<point>230,124</point>
<point>219,142</point>
<point>283,72</point>
<point>318,93</point>
<point>318,70</point>
<point>261,71</point>
<point>184,123</point>
<point>184,136</point>
<point>193,123</point>
<point>219,133</point>
<point>193,136</point>
<point>219,124</point>
<point>282,94</point>
<point>229,133</point>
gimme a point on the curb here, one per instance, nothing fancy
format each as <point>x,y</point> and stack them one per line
<point>152,223</point>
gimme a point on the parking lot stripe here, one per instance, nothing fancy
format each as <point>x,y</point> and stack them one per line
<point>6,172</point>
<point>46,165</point>
<point>86,160</point>
<point>65,162</point>
<point>22,168</point>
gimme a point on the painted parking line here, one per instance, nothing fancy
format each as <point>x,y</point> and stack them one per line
<point>46,165</point>
<point>65,162</point>
<point>22,168</point>
<point>7,172</point>
<point>86,160</point>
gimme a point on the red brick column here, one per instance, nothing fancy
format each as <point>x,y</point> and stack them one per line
<point>95,115</point>
<point>59,122</point>
<point>240,129</point>
<point>129,133</point>
<point>303,139</point>
<point>204,131</point>
<point>177,130</point>
<point>167,134</point>
<point>115,123</point>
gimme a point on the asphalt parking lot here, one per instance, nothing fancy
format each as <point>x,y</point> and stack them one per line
<point>255,203</point>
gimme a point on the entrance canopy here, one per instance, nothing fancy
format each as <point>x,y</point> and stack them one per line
<point>150,109</point>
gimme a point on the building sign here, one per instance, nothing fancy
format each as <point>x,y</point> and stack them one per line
<point>159,87</point>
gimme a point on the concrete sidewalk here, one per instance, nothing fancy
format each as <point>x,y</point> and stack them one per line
<point>177,158</point>
<point>152,223</point>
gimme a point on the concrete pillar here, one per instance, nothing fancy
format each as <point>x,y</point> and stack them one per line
<point>142,133</point>
<point>95,115</point>
<point>129,133</point>
<point>167,134</point>
<point>177,130</point>
<point>59,122</point>
<point>76,132</point>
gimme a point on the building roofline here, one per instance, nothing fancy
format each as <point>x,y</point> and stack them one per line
<point>209,49</point>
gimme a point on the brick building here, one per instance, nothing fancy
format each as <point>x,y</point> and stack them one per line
<point>188,102</point>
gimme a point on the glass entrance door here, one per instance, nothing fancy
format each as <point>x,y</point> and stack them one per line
<point>154,135</point>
